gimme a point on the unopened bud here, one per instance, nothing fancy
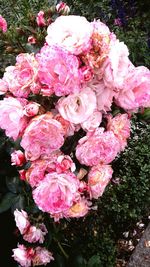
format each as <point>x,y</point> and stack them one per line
<point>62,8</point>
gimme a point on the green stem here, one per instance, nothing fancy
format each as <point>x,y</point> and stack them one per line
<point>62,250</point>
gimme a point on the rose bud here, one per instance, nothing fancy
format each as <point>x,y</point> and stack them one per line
<point>31,40</point>
<point>63,8</point>
<point>31,109</point>
<point>18,158</point>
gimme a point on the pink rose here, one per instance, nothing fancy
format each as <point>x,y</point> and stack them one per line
<point>92,122</point>
<point>98,178</point>
<point>40,19</point>
<point>42,256</point>
<point>136,91</point>
<point>97,147</point>
<point>31,109</point>
<point>3,24</point>
<point>58,70</point>
<point>21,77</point>
<point>42,136</point>
<point>120,126</point>
<point>76,108</point>
<point>22,220</point>
<point>104,94</point>
<point>68,127</point>
<point>57,192</point>
<point>35,234</point>
<point>116,66</point>
<point>17,158</point>
<point>3,87</point>
<point>23,255</point>
<point>12,118</point>
<point>70,32</point>
<point>79,209</point>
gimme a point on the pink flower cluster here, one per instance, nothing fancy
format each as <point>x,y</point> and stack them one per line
<point>74,79</point>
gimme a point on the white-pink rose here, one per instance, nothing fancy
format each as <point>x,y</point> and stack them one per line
<point>23,255</point>
<point>57,192</point>
<point>12,118</point>
<point>31,109</point>
<point>3,87</point>
<point>70,32</point>
<point>76,108</point>
<point>92,122</point>
<point>42,256</point>
<point>42,136</point>
<point>22,220</point>
<point>97,147</point>
<point>98,178</point>
<point>117,65</point>
<point>35,234</point>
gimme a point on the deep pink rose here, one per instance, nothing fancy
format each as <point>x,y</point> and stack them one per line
<point>58,70</point>
<point>40,19</point>
<point>17,158</point>
<point>76,108</point>
<point>22,220</point>
<point>3,24</point>
<point>21,77</point>
<point>57,192</point>
<point>98,178</point>
<point>70,32</point>
<point>97,147</point>
<point>12,118</point>
<point>120,126</point>
<point>135,91</point>
<point>42,136</point>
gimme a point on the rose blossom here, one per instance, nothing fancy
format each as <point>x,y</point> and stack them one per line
<point>104,95</point>
<point>21,77</point>
<point>12,118</point>
<point>58,70</point>
<point>3,24</point>
<point>98,178</point>
<point>79,209</point>
<point>120,125</point>
<point>17,158</point>
<point>40,19</point>
<point>76,108</point>
<point>63,8</point>
<point>135,91</point>
<point>42,136</point>
<point>92,122</point>
<point>22,220</point>
<point>3,87</point>
<point>97,147</point>
<point>23,255</point>
<point>57,192</point>
<point>68,127</point>
<point>31,109</point>
<point>35,234</point>
<point>70,32</point>
<point>117,65</point>
<point>42,256</point>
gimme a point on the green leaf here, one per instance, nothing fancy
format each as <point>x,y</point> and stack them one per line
<point>13,184</point>
<point>94,261</point>
<point>7,201</point>
<point>18,203</point>
<point>77,261</point>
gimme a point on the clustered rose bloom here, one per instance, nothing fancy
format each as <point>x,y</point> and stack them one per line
<point>27,257</point>
<point>58,102</point>
<point>30,233</point>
